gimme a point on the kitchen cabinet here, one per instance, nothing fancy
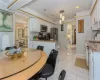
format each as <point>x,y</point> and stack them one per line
<point>94,65</point>
<point>34,25</point>
<point>87,54</point>
<point>96,16</point>
<point>48,45</point>
<point>91,65</point>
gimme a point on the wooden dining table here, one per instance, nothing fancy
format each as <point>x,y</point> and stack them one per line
<point>22,68</point>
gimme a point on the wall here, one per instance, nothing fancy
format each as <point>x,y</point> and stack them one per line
<point>62,36</point>
<point>81,37</point>
<point>69,33</point>
<point>10,34</point>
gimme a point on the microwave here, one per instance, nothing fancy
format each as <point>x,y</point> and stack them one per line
<point>43,28</point>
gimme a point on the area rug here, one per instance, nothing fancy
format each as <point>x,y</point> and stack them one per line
<point>81,63</point>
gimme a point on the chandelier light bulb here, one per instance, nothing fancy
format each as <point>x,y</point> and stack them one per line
<point>63,18</point>
<point>60,22</point>
<point>61,15</point>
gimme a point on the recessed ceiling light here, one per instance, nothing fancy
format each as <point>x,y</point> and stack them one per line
<point>77,7</point>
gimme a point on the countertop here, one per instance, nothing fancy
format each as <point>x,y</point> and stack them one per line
<point>22,68</point>
<point>94,45</point>
<point>45,40</point>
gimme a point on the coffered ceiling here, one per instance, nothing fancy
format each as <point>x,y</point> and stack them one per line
<point>51,8</point>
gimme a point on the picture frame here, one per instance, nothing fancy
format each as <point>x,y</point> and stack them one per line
<point>81,26</point>
<point>6,21</point>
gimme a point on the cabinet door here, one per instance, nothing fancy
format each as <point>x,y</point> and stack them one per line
<point>34,25</point>
<point>37,25</point>
<point>96,66</point>
<point>31,24</point>
<point>91,65</point>
<point>87,54</point>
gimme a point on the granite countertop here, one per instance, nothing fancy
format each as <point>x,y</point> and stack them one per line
<point>45,40</point>
<point>94,45</point>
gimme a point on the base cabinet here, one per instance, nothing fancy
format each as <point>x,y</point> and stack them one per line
<point>48,46</point>
<point>94,65</point>
<point>91,65</point>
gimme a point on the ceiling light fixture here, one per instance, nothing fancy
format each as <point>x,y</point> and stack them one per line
<point>77,7</point>
<point>62,18</point>
<point>61,15</point>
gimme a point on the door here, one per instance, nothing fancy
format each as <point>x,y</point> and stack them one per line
<point>74,36</point>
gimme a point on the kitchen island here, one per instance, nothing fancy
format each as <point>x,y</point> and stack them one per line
<point>22,68</point>
<point>47,44</point>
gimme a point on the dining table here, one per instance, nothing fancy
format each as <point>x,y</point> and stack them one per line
<point>24,67</point>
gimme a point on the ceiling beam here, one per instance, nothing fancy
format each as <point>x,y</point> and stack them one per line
<point>17,4</point>
<point>12,3</point>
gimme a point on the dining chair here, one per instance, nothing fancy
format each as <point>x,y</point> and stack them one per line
<point>40,48</point>
<point>62,75</point>
<point>49,68</point>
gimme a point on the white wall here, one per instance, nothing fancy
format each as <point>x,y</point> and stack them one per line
<point>69,33</point>
<point>81,37</point>
<point>62,36</point>
<point>10,34</point>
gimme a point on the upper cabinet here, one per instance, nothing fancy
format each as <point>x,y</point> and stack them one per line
<point>34,24</point>
<point>96,16</point>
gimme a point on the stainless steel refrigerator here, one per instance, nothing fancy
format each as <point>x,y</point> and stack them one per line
<point>54,33</point>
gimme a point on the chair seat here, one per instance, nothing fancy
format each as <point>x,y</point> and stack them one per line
<point>46,71</point>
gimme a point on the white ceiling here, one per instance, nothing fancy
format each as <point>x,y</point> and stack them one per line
<point>6,2</point>
<point>54,6</point>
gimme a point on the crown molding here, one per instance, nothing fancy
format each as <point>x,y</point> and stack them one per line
<point>81,16</point>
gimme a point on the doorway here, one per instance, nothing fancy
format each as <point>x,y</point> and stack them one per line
<point>21,31</point>
<point>74,36</point>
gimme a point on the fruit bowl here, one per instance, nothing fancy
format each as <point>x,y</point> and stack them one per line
<point>16,54</point>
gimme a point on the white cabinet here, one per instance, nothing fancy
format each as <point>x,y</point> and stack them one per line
<point>94,65</point>
<point>97,66</point>
<point>96,16</point>
<point>91,65</point>
<point>48,46</point>
<point>87,54</point>
<point>34,25</point>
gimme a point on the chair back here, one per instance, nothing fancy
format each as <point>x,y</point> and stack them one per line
<point>40,48</point>
<point>62,75</point>
<point>52,58</point>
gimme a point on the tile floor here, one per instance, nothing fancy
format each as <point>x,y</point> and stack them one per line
<point>66,61</point>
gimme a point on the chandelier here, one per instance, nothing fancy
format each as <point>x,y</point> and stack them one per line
<point>62,18</point>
